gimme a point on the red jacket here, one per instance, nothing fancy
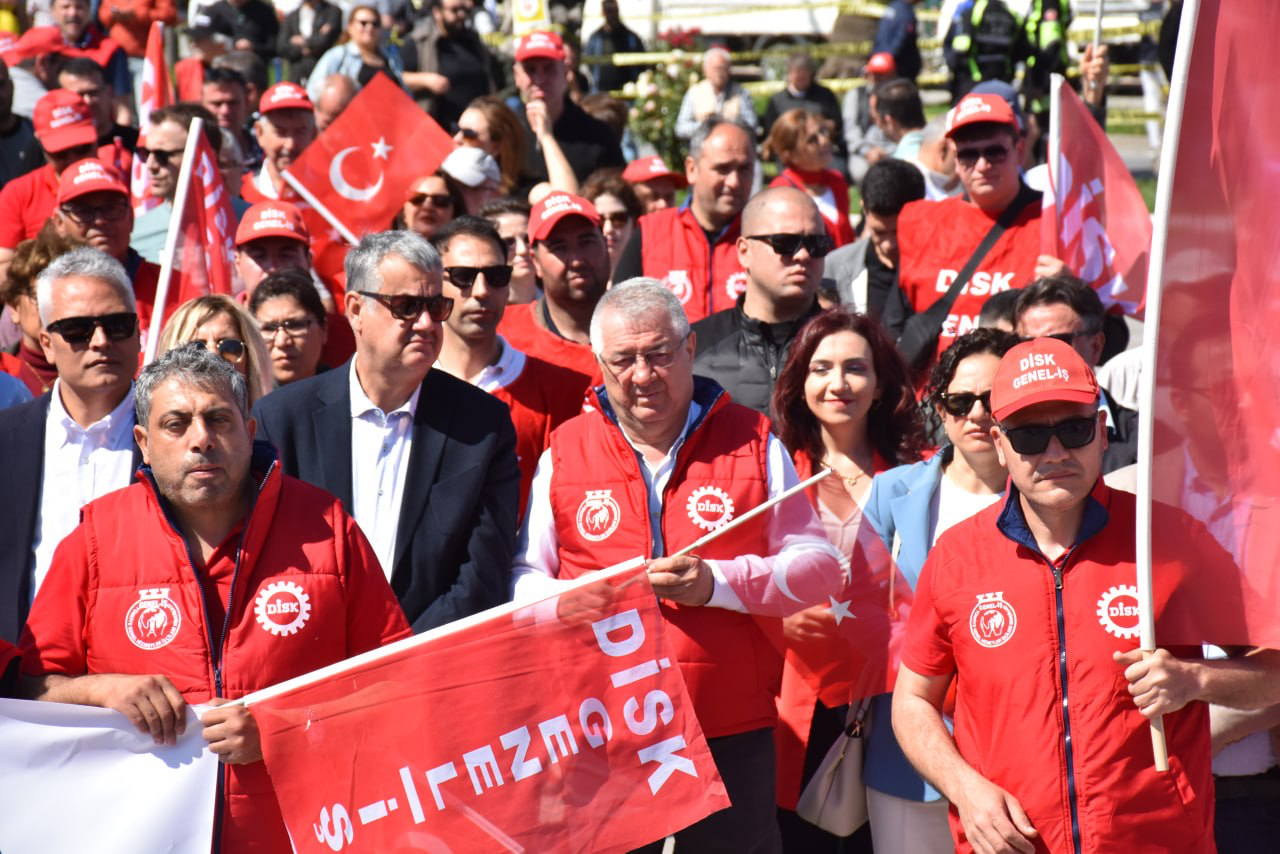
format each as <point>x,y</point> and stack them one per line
<point>521,329</point>
<point>1041,708</point>
<point>600,505</point>
<point>707,278</point>
<point>122,597</point>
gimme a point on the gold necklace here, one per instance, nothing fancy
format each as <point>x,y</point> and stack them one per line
<point>850,482</point>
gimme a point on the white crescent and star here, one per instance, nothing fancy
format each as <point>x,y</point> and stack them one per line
<point>840,610</point>
<point>358,194</point>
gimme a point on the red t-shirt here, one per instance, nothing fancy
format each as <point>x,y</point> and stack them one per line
<point>521,329</point>
<point>27,201</point>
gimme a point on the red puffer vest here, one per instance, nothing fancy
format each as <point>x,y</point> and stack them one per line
<point>601,510</point>
<point>706,278</point>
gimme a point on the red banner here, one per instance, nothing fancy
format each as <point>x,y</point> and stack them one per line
<point>1095,218</point>
<point>559,726</point>
<point>362,165</point>
<point>202,259</point>
<point>156,92</point>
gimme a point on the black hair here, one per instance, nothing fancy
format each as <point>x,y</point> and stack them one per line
<point>1064,290</point>
<point>1000,306</point>
<point>82,66</point>
<point>889,185</point>
<point>505,205</point>
<point>289,282</point>
<point>469,226</point>
<point>900,100</point>
<point>997,342</point>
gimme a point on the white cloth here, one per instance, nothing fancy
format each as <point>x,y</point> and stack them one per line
<point>502,373</point>
<point>380,446</point>
<point>951,505</point>
<point>801,569</point>
<point>80,464</point>
<point>901,825</point>
<point>1120,376</point>
<point>77,778</point>
<point>263,182</point>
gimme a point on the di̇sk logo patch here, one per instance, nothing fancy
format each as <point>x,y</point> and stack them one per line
<point>992,620</point>
<point>678,282</point>
<point>282,608</point>
<point>736,285</point>
<point>1118,611</point>
<point>153,621</point>
<point>598,515</point>
<point>709,507</point>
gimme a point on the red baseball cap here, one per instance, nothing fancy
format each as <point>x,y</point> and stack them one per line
<point>272,219</point>
<point>89,176</point>
<point>1039,371</point>
<point>555,207</point>
<point>880,63</point>
<point>63,121</point>
<point>650,169</point>
<point>981,109</point>
<point>540,44</point>
<point>284,96</point>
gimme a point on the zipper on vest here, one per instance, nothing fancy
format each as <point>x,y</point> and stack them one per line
<point>1072,797</point>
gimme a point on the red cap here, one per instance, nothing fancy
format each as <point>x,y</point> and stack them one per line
<point>284,96</point>
<point>540,44</point>
<point>89,176</point>
<point>981,109</point>
<point>555,207</point>
<point>880,63</point>
<point>1039,371</point>
<point>272,219</point>
<point>650,169</point>
<point>63,121</point>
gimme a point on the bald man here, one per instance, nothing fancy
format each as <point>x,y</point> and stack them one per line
<point>335,93</point>
<point>781,247</point>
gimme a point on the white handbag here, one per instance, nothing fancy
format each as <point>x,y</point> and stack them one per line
<point>835,799</point>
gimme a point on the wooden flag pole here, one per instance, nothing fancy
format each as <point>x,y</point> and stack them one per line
<point>167,259</point>
<point>754,512</point>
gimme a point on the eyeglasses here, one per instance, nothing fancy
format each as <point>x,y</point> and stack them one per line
<point>617,220</point>
<point>961,403</point>
<point>787,245</point>
<point>79,330</point>
<point>1034,438</point>
<point>438,200</point>
<point>410,307</point>
<point>85,214</point>
<point>495,276</point>
<point>292,327</point>
<point>161,156</point>
<point>364,22</point>
<point>657,360</point>
<point>231,349</point>
<point>993,154</point>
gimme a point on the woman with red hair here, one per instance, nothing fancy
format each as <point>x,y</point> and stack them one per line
<point>801,140</point>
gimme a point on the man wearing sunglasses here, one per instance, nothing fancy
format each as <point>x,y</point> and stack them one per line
<point>74,443</point>
<point>937,240</point>
<point>781,248</point>
<point>1029,607</point>
<point>425,462</point>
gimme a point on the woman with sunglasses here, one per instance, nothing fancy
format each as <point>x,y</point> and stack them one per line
<point>432,201</point>
<point>801,140</point>
<point>362,54</point>
<point>489,124</point>
<point>908,509</point>
<point>619,208</point>
<point>842,402</point>
<point>218,323</point>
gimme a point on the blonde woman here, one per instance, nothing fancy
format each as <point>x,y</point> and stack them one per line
<point>218,323</point>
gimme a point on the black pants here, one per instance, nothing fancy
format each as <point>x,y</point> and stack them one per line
<point>1247,813</point>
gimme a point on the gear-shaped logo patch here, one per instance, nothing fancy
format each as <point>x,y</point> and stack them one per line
<point>709,507</point>
<point>1118,611</point>
<point>282,608</point>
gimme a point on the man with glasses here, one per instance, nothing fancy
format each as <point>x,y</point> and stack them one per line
<point>1029,607</point>
<point>662,458</point>
<point>161,153</point>
<point>781,248</point>
<point>75,443</point>
<point>1065,308</point>
<point>424,462</point>
<point>936,240</point>
<point>540,395</point>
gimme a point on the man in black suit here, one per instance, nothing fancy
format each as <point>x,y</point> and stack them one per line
<point>75,443</point>
<point>303,46</point>
<point>424,462</point>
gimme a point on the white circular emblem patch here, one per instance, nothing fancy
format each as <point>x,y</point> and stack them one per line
<point>598,515</point>
<point>282,608</point>
<point>709,507</point>
<point>153,620</point>
<point>677,281</point>
<point>1118,611</point>
<point>992,620</point>
<point>736,285</point>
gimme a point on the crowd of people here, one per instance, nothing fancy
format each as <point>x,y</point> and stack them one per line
<point>563,351</point>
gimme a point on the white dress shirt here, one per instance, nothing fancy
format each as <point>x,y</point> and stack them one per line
<point>80,464</point>
<point>502,373</point>
<point>380,446</point>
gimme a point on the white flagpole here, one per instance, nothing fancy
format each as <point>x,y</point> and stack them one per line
<point>170,243</point>
<point>320,207</point>
<point>754,512</point>
<point>1097,25</point>
<point>1150,350</point>
<point>1054,161</point>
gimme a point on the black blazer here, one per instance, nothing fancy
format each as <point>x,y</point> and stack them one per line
<point>22,472</point>
<point>457,530</point>
<point>300,66</point>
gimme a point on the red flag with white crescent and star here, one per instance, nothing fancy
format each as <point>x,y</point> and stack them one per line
<point>362,165</point>
<point>157,91</point>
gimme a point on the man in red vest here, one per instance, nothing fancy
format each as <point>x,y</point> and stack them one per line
<point>75,34</point>
<point>693,248</point>
<point>664,458</point>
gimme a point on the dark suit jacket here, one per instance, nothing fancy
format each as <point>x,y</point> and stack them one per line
<point>321,39</point>
<point>457,526</point>
<point>22,472</point>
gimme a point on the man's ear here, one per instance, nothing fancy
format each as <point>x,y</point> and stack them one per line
<point>140,436</point>
<point>995,434</point>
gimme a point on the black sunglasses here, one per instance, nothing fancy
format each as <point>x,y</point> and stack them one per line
<point>438,200</point>
<point>787,245</point>
<point>467,133</point>
<point>495,276</point>
<point>161,156</point>
<point>409,307</point>
<point>85,214</point>
<point>993,154</point>
<point>79,330</point>
<point>1034,438</point>
<point>231,349</point>
<point>961,403</point>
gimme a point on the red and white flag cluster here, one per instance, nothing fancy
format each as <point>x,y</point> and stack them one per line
<point>157,91</point>
<point>206,234</point>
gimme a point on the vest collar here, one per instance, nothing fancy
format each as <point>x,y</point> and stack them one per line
<point>1013,523</point>
<point>707,393</point>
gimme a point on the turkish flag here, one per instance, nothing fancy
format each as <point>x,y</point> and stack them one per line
<point>558,726</point>
<point>206,232</point>
<point>362,165</point>
<point>157,91</point>
<point>1095,218</point>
